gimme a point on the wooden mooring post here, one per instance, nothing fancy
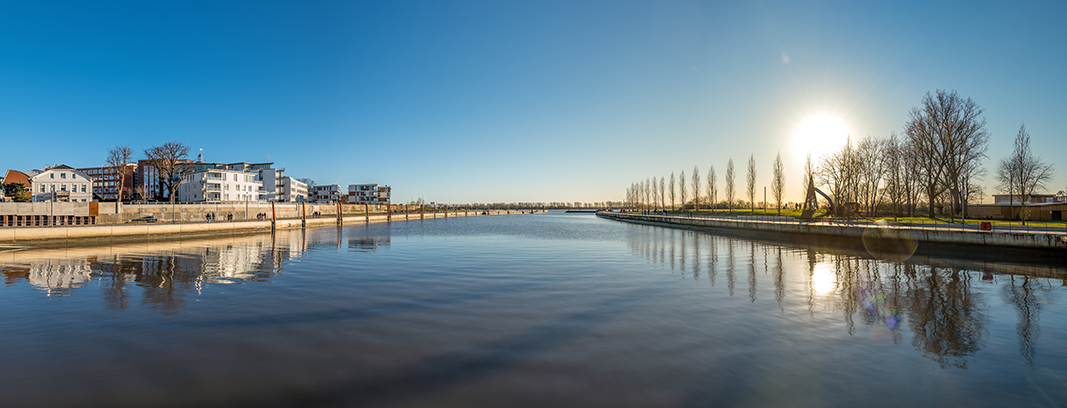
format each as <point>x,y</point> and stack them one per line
<point>366,213</point>
<point>273,216</point>
<point>340,215</point>
<point>388,212</point>
<point>303,215</point>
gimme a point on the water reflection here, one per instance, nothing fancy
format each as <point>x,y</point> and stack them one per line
<point>935,300</point>
<point>56,277</point>
<point>1028,295</point>
<point>162,276</point>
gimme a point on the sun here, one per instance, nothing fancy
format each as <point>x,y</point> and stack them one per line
<point>819,134</point>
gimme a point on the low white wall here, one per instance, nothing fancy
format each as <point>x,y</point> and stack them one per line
<point>1010,239</point>
<point>22,235</point>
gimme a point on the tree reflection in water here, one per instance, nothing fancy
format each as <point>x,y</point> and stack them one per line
<point>1028,296</point>
<point>934,299</point>
<point>945,316</point>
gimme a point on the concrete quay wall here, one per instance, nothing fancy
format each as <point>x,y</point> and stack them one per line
<point>1038,241</point>
<point>63,235</point>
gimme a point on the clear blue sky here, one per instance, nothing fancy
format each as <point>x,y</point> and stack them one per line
<point>512,101</point>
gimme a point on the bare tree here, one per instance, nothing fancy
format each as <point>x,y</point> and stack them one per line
<point>913,181</point>
<point>672,191</point>
<point>924,155</point>
<point>712,191</point>
<point>947,137</point>
<point>681,187</point>
<point>837,171</point>
<point>870,172</point>
<point>117,158</point>
<point>1023,173</point>
<point>895,166</point>
<point>171,163</point>
<point>752,183</point>
<point>696,188</point>
<point>730,185</point>
<point>663,192</point>
<point>648,194</point>
<point>778,184</point>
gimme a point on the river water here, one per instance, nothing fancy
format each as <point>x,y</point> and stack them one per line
<point>523,310</point>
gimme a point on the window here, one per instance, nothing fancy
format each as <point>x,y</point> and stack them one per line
<point>52,175</point>
<point>83,188</point>
<point>42,188</point>
<point>62,175</point>
<point>62,187</point>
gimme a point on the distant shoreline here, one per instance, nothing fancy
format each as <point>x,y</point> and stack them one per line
<point>14,238</point>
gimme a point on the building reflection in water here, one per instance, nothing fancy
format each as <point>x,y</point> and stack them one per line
<point>936,300</point>
<point>162,276</point>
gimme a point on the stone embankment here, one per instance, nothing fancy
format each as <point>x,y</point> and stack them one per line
<point>66,235</point>
<point>1042,243</point>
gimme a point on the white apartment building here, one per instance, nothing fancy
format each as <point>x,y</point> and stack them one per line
<point>60,183</point>
<point>330,193</point>
<point>368,194</point>
<point>220,185</point>
<point>270,178</point>
<point>292,190</point>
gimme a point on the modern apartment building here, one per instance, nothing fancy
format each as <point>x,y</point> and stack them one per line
<point>330,193</point>
<point>220,185</point>
<point>60,183</point>
<point>368,194</point>
<point>107,183</point>
<point>269,177</point>
<point>293,190</point>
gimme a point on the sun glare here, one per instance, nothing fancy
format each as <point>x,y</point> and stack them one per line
<point>819,134</point>
<point>823,279</point>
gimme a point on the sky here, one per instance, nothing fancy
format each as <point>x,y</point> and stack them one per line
<point>459,101</point>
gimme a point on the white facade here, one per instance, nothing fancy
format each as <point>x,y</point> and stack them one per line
<point>292,190</point>
<point>220,185</point>
<point>272,180</point>
<point>330,193</point>
<point>368,194</point>
<point>60,183</point>
<point>1033,199</point>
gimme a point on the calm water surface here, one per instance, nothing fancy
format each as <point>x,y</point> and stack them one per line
<point>523,310</point>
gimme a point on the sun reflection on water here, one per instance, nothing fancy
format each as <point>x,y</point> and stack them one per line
<point>823,279</point>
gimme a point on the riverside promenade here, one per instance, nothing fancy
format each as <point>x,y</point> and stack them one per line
<point>1042,243</point>
<point>77,234</point>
